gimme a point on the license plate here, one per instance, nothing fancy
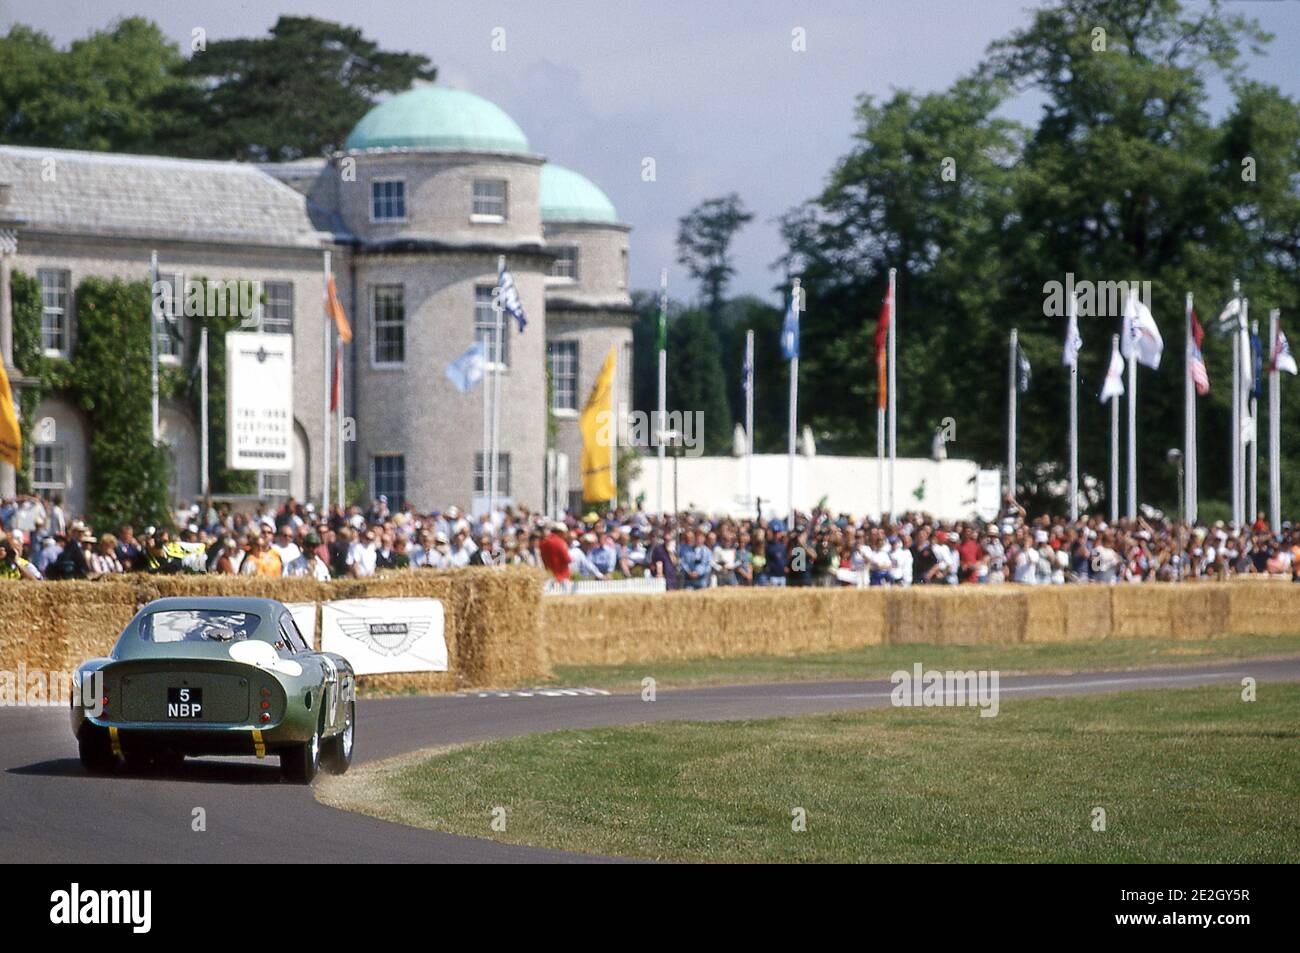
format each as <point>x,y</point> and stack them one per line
<point>184,703</point>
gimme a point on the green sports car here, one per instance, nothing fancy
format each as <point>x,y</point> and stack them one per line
<point>212,676</point>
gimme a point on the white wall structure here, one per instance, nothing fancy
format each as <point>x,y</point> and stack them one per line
<point>944,488</point>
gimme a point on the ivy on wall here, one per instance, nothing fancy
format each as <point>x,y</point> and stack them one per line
<point>108,379</point>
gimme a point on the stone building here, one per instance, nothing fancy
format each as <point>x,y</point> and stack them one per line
<point>433,187</point>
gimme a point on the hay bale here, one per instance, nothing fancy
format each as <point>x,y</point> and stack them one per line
<point>1261,607</point>
<point>960,615</point>
<point>1067,613</point>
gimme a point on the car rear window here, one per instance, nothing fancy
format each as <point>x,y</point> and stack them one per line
<point>198,625</point>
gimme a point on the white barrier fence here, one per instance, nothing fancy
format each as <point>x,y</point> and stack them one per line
<point>603,587</point>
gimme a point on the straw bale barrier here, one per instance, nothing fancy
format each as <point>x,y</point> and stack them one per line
<point>501,631</point>
<point>596,630</point>
<point>492,618</point>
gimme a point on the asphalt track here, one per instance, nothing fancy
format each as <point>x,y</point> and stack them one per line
<point>51,811</point>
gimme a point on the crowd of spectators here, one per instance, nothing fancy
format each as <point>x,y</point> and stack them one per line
<point>688,551</point>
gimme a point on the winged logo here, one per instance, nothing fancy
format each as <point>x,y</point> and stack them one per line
<point>385,636</point>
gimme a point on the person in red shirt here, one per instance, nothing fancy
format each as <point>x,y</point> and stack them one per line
<point>555,552</point>
<point>971,554</point>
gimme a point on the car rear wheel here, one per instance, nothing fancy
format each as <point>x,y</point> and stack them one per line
<point>338,750</point>
<point>95,749</point>
<point>301,762</point>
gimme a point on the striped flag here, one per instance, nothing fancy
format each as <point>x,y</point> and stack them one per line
<point>1196,361</point>
<point>1282,357</point>
<point>509,298</point>
<point>882,353</point>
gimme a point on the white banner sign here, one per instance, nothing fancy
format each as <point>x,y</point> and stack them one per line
<point>988,494</point>
<point>385,635</point>
<point>259,401</point>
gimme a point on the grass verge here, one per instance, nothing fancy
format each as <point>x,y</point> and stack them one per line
<point>879,661</point>
<point>1184,776</point>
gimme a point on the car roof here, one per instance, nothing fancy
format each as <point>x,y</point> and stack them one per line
<point>220,603</point>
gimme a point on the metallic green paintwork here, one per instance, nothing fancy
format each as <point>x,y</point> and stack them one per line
<point>136,671</point>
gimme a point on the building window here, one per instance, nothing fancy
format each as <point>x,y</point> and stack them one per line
<point>566,265</point>
<point>485,327</point>
<point>56,330</point>
<point>49,468</point>
<point>388,200</point>
<point>277,312</point>
<point>388,324</point>
<point>489,200</point>
<point>388,478</point>
<point>623,277</point>
<point>564,374</point>
<point>168,310</point>
<point>273,484</point>
<point>503,474</point>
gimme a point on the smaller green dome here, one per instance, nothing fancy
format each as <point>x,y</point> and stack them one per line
<point>433,117</point>
<point>568,196</point>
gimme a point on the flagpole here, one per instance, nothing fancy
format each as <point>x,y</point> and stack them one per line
<point>749,420</point>
<point>1131,510</point>
<point>1236,412</point>
<point>1239,400</point>
<point>1074,441</point>
<point>1189,419</point>
<point>794,404</point>
<point>1274,427</point>
<point>494,459</point>
<point>1113,492</point>
<point>204,482</point>
<point>1254,443</point>
<point>661,424</point>
<point>880,460</point>
<point>1011,414</point>
<point>615,428</point>
<point>328,365</point>
<point>153,341</point>
<point>893,389</point>
<point>339,474</point>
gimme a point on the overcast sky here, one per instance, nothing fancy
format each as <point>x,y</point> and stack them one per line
<point>712,92</point>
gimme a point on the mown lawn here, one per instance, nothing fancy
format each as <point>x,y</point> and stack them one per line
<point>882,660</point>
<point>1194,775</point>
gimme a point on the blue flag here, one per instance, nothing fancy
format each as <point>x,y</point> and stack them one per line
<point>508,296</point>
<point>790,332</point>
<point>467,370</point>
<point>1257,365</point>
<point>746,376</point>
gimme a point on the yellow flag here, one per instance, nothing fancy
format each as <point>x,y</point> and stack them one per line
<point>11,438</point>
<point>597,427</point>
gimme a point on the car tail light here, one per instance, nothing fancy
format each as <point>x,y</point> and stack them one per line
<point>266,716</point>
<point>266,705</point>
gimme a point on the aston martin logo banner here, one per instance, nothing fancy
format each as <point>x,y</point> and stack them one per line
<point>386,635</point>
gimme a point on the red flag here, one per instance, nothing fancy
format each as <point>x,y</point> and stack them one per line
<point>336,382</point>
<point>1196,361</point>
<point>882,343</point>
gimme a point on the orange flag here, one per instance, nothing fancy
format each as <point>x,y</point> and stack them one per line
<point>336,312</point>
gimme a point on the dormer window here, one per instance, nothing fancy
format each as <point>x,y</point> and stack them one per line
<point>388,200</point>
<point>489,201</point>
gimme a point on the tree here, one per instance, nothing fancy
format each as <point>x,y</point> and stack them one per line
<point>695,378</point>
<point>297,92</point>
<point>704,237</point>
<point>106,92</point>
<point>1124,177</point>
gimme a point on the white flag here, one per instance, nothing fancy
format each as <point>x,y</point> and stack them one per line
<point>1114,385</point>
<point>1141,338</point>
<point>1247,360</point>
<point>1073,342</point>
<point>1247,429</point>
<point>1283,360</point>
<point>1229,317</point>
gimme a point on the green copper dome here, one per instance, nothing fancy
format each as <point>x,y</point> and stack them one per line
<point>432,117</point>
<point>568,196</point>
